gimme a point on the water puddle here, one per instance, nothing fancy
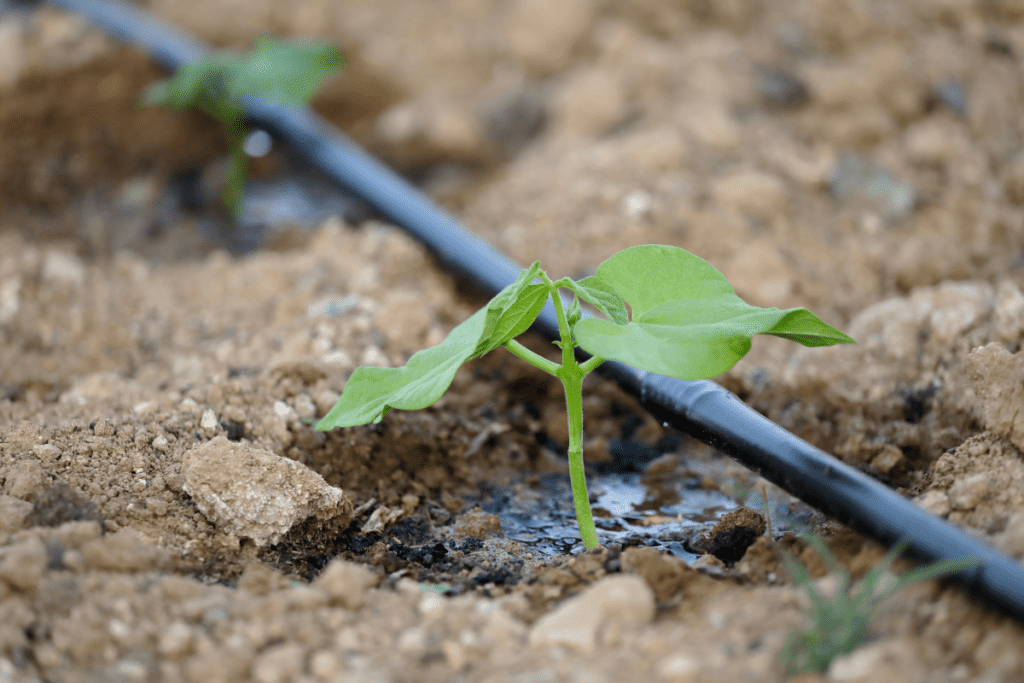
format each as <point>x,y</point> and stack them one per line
<point>670,512</point>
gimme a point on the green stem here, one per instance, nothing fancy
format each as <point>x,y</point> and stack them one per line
<point>577,476</point>
<point>590,364</point>
<point>532,358</point>
<point>234,181</point>
<point>571,375</point>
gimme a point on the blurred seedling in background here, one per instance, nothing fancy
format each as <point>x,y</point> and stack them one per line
<point>841,622</point>
<point>219,82</point>
<point>687,322</point>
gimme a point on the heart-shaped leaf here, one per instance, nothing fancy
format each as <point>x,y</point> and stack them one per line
<point>687,320</point>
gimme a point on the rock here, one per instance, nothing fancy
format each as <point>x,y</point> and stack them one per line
<point>624,599</point>
<point>966,493</point>
<point>477,524</point>
<point>279,663</point>
<point>1009,311</point>
<point>935,502</point>
<point>542,34</point>
<point>24,437</point>
<point>13,512</point>
<point>22,565</point>
<point>26,480</point>
<point>664,573</point>
<point>997,377</point>
<point>62,268</point>
<point>123,551</point>
<point>1011,540</point>
<point>255,494</point>
<point>176,640</point>
<point>679,669</point>
<point>346,582</point>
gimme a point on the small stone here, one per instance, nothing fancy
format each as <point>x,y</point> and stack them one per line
<point>24,437</point>
<point>679,669</point>
<point>887,459</point>
<point>965,494</point>
<point>1009,311</point>
<point>62,268</point>
<point>577,623</point>
<point>324,665</point>
<point>477,524</point>
<point>46,452</point>
<point>123,551</point>
<point>23,565</point>
<point>26,480</point>
<point>279,664</point>
<point>664,573</point>
<point>208,422</point>
<point>13,512</point>
<point>935,502</point>
<point>176,640</point>
<point>346,583</point>
<point>1011,540</point>
<point>997,377</point>
<point>754,193</point>
<point>253,493</point>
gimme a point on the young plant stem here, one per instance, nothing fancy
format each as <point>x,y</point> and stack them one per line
<point>571,376</point>
<point>234,180</point>
<point>577,477</point>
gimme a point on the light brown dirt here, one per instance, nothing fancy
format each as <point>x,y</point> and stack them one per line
<point>818,153</point>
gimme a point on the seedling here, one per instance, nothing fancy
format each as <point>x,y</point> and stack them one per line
<point>687,322</point>
<point>219,82</point>
<point>838,624</point>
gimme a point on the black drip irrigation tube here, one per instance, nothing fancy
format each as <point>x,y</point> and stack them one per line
<point>702,409</point>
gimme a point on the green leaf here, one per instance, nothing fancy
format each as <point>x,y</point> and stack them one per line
<point>217,82</point>
<point>687,322</point>
<point>292,70</point>
<point>371,392</point>
<point>600,295</point>
<point>512,310</point>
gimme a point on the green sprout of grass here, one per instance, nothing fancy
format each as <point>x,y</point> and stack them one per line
<point>840,623</point>
<point>219,82</point>
<point>687,322</point>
